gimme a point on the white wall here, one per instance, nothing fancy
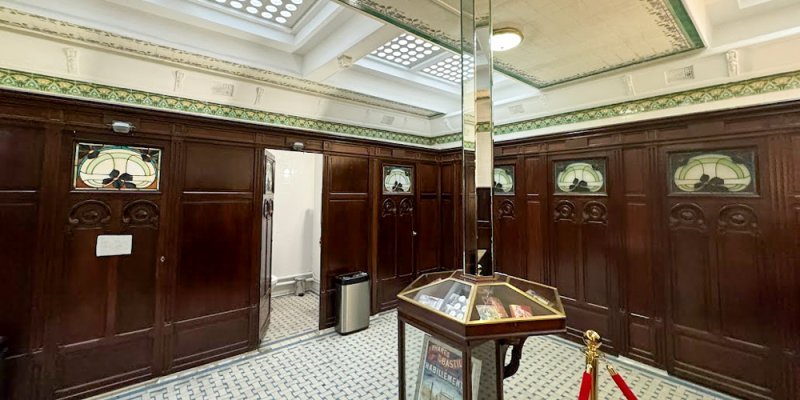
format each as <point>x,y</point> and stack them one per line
<point>297,217</point>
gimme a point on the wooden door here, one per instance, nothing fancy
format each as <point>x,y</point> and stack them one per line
<point>106,307</point>
<point>719,280</point>
<point>581,243</point>
<point>396,233</point>
<point>265,278</point>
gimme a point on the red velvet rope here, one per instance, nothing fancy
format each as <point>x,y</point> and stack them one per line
<point>586,384</point>
<point>623,387</point>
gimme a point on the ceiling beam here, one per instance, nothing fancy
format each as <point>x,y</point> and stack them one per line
<point>355,38</point>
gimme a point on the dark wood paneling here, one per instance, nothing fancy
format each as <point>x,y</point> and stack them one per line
<point>637,279</point>
<point>21,151</point>
<point>427,225</point>
<point>189,293</point>
<point>451,234</point>
<point>211,167</point>
<point>348,175</point>
<point>213,273</point>
<point>17,248</point>
<point>534,187</point>
<point>346,214</point>
<point>21,157</point>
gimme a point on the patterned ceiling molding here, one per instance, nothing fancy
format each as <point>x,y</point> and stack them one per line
<point>668,16</point>
<point>90,91</point>
<point>22,21</point>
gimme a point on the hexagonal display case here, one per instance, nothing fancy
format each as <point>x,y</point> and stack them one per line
<point>448,317</point>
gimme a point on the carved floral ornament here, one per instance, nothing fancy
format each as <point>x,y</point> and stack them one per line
<point>88,214</point>
<point>595,211</point>
<point>506,209</point>
<point>564,211</point>
<point>687,216</point>
<point>141,213</point>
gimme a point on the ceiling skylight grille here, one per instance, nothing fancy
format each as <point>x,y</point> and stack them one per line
<point>449,69</point>
<point>407,50</point>
<point>281,12</point>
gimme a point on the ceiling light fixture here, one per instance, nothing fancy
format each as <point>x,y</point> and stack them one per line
<point>506,39</point>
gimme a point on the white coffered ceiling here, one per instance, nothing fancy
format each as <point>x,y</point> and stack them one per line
<point>576,53</point>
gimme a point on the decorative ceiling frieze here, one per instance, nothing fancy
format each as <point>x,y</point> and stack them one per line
<point>564,40</point>
<point>21,21</point>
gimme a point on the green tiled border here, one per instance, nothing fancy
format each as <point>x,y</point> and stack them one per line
<point>86,90</point>
<point>66,87</point>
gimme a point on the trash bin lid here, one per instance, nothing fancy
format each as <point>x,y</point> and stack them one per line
<point>352,278</point>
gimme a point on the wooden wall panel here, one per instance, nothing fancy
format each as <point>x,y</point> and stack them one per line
<point>21,158</point>
<point>719,287</point>
<point>213,273</point>
<point>211,167</point>
<point>189,292</point>
<point>450,234</point>
<point>21,251</point>
<point>509,219</point>
<point>534,187</point>
<point>346,213</point>
<point>215,304</point>
<point>427,225</point>
<point>636,268</point>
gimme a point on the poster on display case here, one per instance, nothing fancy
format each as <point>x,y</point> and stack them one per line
<point>441,370</point>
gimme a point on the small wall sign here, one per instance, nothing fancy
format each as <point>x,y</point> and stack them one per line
<point>113,245</point>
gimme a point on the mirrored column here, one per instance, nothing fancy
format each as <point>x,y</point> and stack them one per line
<point>477,145</point>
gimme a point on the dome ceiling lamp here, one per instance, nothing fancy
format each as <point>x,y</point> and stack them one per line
<point>504,39</point>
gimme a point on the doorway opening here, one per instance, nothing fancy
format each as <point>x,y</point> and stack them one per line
<point>293,258</point>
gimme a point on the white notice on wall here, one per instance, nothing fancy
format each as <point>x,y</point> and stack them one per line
<point>113,245</point>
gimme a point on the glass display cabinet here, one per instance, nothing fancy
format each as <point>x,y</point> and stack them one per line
<point>445,318</point>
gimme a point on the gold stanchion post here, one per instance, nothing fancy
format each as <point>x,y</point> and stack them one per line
<point>592,352</point>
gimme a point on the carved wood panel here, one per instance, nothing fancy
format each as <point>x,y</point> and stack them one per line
<point>720,289</point>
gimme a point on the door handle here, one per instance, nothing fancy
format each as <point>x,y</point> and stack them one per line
<point>413,233</point>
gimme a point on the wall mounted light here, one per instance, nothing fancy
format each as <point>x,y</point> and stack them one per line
<point>122,127</point>
<point>506,39</point>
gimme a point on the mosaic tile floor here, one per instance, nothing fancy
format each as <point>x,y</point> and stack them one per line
<point>293,315</point>
<point>363,365</point>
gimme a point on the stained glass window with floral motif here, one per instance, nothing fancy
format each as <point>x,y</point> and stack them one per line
<point>398,180</point>
<point>113,167</point>
<point>504,179</point>
<point>717,171</point>
<point>581,177</point>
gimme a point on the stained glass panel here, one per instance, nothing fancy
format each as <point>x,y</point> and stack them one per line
<point>581,177</point>
<point>717,171</point>
<point>398,180</point>
<point>113,167</point>
<point>504,179</point>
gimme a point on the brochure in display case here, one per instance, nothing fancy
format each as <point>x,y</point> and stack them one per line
<point>441,371</point>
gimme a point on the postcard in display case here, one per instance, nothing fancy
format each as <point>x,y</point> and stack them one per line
<point>441,371</point>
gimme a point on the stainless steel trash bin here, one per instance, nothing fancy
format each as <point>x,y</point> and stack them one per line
<point>352,305</point>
